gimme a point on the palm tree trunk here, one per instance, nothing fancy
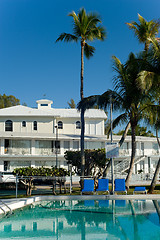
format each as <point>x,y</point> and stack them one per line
<point>82,112</point>
<point>154,180</point>
<point>156,205</point>
<point>82,68</point>
<point>82,144</point>
<point>124,134</point>
<point>133,127</point>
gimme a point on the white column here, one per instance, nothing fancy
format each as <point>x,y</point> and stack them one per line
<point>1,165</point>
<point>32,147</point>
<point>54,124</point>
<point>71,144</point>
<point>2,147</point>
<point>33,163</point>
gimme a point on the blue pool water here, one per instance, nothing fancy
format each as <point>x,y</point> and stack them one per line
<point>84,220</point>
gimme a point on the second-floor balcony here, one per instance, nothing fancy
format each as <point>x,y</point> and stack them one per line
<point>44,152</point>
<point>139,152</point>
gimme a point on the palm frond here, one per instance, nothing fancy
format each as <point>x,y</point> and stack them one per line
<point>88,102</point>
<point>88,50</point>
<point>109,97</point>
<point>145,80</point>
<point>75,17</point>
<point>121,119</point>
<point>67,37</point>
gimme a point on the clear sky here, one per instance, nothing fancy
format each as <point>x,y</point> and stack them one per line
<point>33,65</point>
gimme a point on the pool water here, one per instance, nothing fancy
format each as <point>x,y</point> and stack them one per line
<point>84,220</point>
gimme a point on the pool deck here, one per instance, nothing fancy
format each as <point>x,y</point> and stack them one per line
<point>16,203</point>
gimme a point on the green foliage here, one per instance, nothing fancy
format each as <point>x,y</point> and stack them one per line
<point>86,27</point>
<point>41,171</point>
<point>140,131</point>
<point>71,103</point>
<point>8,101</point>
<point>145,30</point>
<point>94,159</point>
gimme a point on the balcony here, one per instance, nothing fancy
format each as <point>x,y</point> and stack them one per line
<point>47,152</point>
<point>17,151</point>
<point>43,152</point>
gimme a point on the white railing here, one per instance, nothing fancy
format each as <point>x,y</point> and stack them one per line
<point>124,164</point>
<point>155,152</point>
<point>19,151</point>
<point>123,152</point>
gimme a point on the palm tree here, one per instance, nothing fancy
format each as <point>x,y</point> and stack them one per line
<point>145,30</point>
<point>86,27</point>
<point>127,98</point>
<point>151,78</point>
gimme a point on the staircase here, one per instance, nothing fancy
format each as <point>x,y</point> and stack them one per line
<point>124,164</point>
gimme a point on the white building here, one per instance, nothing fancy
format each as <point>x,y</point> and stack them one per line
<point>28,136</point>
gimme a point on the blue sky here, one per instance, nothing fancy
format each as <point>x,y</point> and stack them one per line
<point>33,65</point>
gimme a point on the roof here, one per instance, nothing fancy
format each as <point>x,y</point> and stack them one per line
<point>20,110</point>
<point>74,113</point>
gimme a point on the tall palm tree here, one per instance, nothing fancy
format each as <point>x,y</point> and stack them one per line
<point>145,30</point>
<point>150,78</point>
<point>127,98</point>
<point>86,27</point>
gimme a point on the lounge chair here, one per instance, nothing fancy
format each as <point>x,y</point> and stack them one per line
<point>120,185</point>
<point>103,185</point>
<point>140,190</point>
<point>88,186</point>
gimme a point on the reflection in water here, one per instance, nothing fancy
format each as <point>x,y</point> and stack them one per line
<point>154,217</point>
<point>85,220</point>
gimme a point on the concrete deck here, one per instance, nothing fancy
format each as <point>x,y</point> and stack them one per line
<point>16,203</point>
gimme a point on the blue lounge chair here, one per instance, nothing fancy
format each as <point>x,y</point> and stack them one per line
<point>120,185</point>
<point>103,185</point>
<point>140,190</point>
<point>88,186</point>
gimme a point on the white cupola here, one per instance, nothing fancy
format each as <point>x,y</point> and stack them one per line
<point>44,104</point>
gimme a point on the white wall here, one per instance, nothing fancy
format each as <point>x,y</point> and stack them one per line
<point>45,125</point>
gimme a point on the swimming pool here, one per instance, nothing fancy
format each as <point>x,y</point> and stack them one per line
<point>85,220</point>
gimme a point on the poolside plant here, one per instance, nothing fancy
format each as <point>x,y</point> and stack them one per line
<point>30,174</point>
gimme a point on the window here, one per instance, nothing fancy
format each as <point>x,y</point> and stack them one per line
<point>93,145</point>
<point>35,125</point>
<point>78,125</point>
<point>44,105</point>
<point>60,125</point>
<point>67,145</point>
<point>6,145</point>
<point>8,126</point>
<point>125,146</point>
<point>76,145</point>
<point>6,165</point>
<point>24,124</point>
<point>57,146</point>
